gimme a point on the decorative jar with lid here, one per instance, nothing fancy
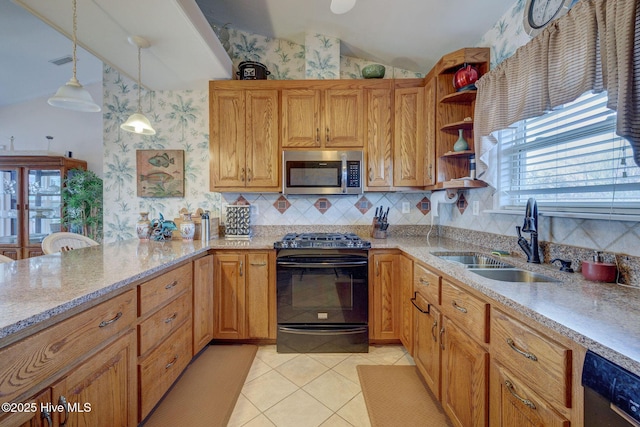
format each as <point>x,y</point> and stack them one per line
<point>143,226</point>
<point>187,227</point>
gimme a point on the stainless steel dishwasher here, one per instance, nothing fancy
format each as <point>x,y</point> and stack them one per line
<point>611,394</point>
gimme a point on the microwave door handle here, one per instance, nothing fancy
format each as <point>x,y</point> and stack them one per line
<point>344,173</point>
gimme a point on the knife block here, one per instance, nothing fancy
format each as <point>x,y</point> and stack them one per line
<point>376,233</point>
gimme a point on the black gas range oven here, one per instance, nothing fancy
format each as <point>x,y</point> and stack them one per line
<point>322,293</point>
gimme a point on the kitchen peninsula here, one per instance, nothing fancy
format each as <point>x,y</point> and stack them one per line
<point>103,284</point>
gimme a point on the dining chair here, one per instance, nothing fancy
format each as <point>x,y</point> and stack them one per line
<point>64,241</point>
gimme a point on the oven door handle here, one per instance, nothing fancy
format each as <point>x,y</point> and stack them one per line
<point>330,264</point>
<point>304,331</point>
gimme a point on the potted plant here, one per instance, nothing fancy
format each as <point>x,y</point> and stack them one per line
<point>82,203</point>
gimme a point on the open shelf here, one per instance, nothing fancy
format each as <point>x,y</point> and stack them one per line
<point>465,153</point>
<point>453,127</point>
<point>462,97</point>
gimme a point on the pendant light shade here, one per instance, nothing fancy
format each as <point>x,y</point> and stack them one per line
<point>342,6</point>
<point>138,122</point>
<point>72,95</point>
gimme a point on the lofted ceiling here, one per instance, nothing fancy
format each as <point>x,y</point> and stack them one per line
<point>185,53</point>
<point>410,34</point>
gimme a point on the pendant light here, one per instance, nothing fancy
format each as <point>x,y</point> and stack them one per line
<point>138,122</point>
<point>72,95</point>
<point>342,6</point>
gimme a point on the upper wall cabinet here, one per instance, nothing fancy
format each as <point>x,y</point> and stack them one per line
<point>409,137</point>
<point>322,118</point>
<point>379,134</point>
<point>244,143</point>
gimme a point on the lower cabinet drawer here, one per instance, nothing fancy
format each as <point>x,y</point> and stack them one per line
<point>427,282</point>
<point>153,330</point>
<point>158,291</point>
<point>159,370</point>
<point>469,312</point>
<point>541,362</point>
<point>513,403</point>
<point>42,355</point>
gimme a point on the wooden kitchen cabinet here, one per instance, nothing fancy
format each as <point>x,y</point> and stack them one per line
<point>531,375</point>
<point>35,417</point>
<point>244,139</point>
<point>513,403</point>
<point>102,390</point>
<point>426,347</point>
<point>323,117</point>
<point>379,137</point>
<point>465,360</point>
<point>405,276</point>
<point>465,373</point>
<point>32,206</point>
<point>384,318</point>
<point>244,295</point>
<point>202,302</point>
<point>165,333</point>
<point>409,137</point>
<point>427,325</point>
<point>88,358</point>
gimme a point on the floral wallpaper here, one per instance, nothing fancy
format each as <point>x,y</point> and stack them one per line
<point>181,121</point>
<point>322,57</point>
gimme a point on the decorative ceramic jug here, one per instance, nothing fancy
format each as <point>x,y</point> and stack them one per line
<point>461,144</point>
<point>143,226</point>
<point>187,227</point>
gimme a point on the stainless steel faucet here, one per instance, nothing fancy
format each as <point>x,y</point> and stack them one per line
<point>530,226</point>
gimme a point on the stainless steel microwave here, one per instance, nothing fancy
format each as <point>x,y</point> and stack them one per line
<point>322,172</point>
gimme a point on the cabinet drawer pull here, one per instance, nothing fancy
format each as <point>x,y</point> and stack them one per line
<point>457,307</point>
<point>317,134</point>
<point>249,175</point>
<point>63,401</point>
<point>430,169</point>
<point>172,318</point>
<point>241,267</point>
<point>258,264</point>
<point>526,354</point>
<point>413,301</point>
<point>442,338</point>
<point>110,321</point>
<point>171,285</point>
<point>424,281</point>
<point>173,362</point>
<point>511,389</point>
<point>45,415</point>
<point>434,330</point>
<point>370,174</point>
<point>242,175</point>
<point>328,139</point>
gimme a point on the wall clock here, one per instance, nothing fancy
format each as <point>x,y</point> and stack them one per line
<point>539,13</point>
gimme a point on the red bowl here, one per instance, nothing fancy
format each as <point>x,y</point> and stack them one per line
<point>599,271</point>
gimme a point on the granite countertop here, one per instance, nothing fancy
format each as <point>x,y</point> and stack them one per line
<point>602,317</point>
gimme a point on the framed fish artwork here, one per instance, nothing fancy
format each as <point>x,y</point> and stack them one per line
<point>160,173</point>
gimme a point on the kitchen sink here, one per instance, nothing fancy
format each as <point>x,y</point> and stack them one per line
<point>512,275</point>
<point>472,260</point>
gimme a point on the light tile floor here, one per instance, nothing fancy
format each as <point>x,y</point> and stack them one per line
<point>308,390</point>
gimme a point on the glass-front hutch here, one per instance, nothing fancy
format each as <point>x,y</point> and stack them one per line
<point>31,201</point>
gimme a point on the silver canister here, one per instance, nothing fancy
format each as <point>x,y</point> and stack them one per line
<point>205,230</point>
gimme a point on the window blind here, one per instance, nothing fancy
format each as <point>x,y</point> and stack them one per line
<point>569,157</point>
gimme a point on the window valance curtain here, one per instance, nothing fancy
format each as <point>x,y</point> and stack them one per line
<point>596,46</point>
